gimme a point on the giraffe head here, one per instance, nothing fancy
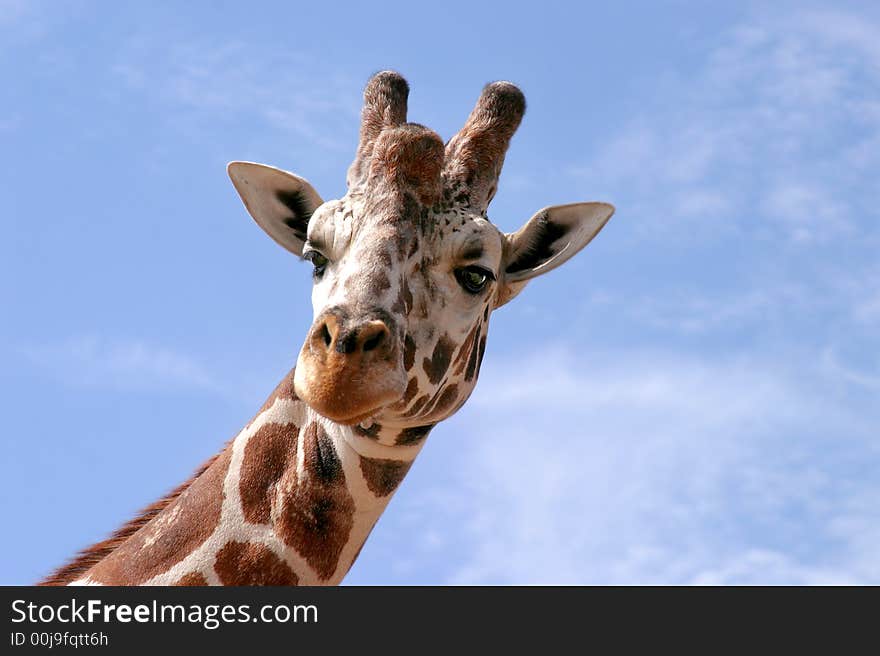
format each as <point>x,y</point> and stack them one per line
<point>407,266</point>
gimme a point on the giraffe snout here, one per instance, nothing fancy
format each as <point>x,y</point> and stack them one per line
<point>332,336</point>
<point>349,368</point>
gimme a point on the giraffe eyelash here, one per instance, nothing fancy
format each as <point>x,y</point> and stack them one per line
<point>318,260</point>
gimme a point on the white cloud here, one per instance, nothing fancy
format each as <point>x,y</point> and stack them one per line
<point>119,364</point>
<point>837,311</point>
<point>849,31</point>
<point>831,363</point>
<point>760,566</point>
<point>804,207</point>
<point>775,131</point>
<point>641,468</point>
<point>758,304</point>
<point>694,312</point>
<point>275,86</point>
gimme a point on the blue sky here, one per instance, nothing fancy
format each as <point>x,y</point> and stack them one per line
<point>693,399</point>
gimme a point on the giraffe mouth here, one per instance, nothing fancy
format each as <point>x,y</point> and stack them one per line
<point>364,420</point>
<point>344,392</point>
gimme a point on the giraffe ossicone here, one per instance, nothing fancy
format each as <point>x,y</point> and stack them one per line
<point>407,270</point>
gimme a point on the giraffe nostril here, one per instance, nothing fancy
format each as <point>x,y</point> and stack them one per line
<point>325,335</point>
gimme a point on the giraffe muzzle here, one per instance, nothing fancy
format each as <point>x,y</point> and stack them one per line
<point>349,369</point>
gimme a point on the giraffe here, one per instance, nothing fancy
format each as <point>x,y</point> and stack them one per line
<point>407,270</point>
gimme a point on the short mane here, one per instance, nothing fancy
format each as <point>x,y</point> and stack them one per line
<point>91,556</point>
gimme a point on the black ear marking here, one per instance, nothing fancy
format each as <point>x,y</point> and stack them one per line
<point>550,238</point>
<point>544,234</point>
<point>281,203</point>
<point>300,209</point>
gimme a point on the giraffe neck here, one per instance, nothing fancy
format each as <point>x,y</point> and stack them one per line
<point>290,500</point>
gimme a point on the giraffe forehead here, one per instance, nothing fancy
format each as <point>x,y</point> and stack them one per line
<point>426,233</point>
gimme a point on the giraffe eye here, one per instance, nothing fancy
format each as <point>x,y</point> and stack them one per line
<point>473,278</point>
<point>318,261</point>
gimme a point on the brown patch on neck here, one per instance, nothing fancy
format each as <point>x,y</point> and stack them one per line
<point>268,454</point>
<point>316,512</point>
<point>413,435</point>
<point>383,476</point>
<point>240,563</point>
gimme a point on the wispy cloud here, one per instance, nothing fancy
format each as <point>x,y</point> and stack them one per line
<point>647,468</point>
<point>694,311</point>
<point>776,132</point>
<point>275,86</point>
<point>832,364</point>
<point>120,364</point>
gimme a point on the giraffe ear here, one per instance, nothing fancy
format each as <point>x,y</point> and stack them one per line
<point>548,239</point>
<point>280,202</point>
